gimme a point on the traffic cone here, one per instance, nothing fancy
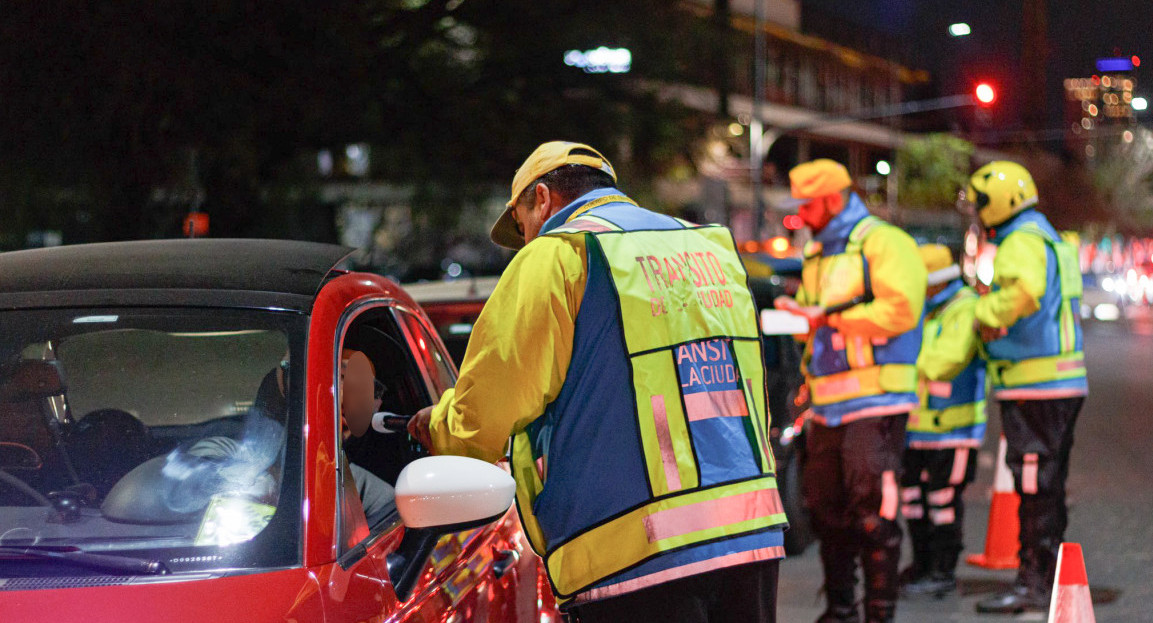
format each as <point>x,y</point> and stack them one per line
<point>1001,538</point>
<point>1071,601</point>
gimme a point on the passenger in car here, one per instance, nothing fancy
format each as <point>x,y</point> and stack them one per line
<point>358,401</point>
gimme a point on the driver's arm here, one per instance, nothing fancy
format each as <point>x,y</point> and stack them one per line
<point>518,354</point>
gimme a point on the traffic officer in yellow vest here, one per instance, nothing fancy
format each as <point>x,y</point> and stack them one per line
<point>1032,327</point>
<point>621,352</point>
<point>863,289</point>
<point>945,430</point>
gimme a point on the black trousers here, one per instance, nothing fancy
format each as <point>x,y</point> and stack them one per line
<point>738,594</point>
<point>851,489</point>
<point>931,502</point>
<point>1039,439</point>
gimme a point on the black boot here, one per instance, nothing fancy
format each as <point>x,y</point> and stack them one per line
<point>842,607</point>
<point>941,578</point>
<point>1030,593</point>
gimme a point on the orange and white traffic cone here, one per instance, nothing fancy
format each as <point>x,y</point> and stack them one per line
<point>1071,601</point>
<point>1001,538</point>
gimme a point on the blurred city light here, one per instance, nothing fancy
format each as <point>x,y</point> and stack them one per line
<point>1115,65</point>
<point>779,246</point>
<point>793,222</point>
<point>985,93</point>
<point>601,60</point>
<point>959,30</point>
<point>1140,103</point>
<point>736,129</point>
<point>883,167</point>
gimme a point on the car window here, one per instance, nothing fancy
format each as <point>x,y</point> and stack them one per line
<point>161,431</point>
<point>435,361</point>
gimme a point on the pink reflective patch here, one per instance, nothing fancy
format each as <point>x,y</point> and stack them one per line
<point>665,443</point>
<point>940,389</point>
<point>1065,366</point>
<point>674,522</point>
<point>837,387</point>
<point>1029,474</point>
<point>941,497</point>
<point>838,341</point>
<point>913,511</point>
<point>960,465</point>
<point>889,495</point>
<point>942,516</point>
<point>708,405</point>
<point>910,494</point>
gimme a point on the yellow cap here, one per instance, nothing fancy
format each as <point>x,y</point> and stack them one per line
<point>939,263</point>
<point>546,158</point>
<point>819,178</point>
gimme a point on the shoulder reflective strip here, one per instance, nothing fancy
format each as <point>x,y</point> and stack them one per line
<point>675,522</point>
<point>596,203</point>
<point>960,466</point>
<point>586,224</point>
<point>889,496</point>
<point>665,443</point>
<point>609,548</point>
<point>1029,474</point>
<point>708,405</point>
<point>942,497</point>
<point>683,571</point>
<point>912,511</point>
<point>943,516</point>
<point>940,389</point>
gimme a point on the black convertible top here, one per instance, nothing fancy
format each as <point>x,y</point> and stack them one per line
<point>204,271</point>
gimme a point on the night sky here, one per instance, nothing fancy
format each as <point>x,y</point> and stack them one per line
<point>1079,32</point>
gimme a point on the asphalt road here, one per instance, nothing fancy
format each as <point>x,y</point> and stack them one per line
<point>1110,497</point>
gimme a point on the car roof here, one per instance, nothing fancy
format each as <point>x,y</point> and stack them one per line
<point>242,272</point>
<point>463,289</point>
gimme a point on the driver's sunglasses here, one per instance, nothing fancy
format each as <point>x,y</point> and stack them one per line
<point>378,389</point>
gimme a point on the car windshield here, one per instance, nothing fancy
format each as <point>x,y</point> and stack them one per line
<point>164,434</point>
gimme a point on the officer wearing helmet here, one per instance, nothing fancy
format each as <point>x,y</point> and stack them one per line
<point>863,290</point>
<point>1031,327</point>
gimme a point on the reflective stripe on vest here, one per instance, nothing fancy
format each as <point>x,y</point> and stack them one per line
<point>1070,362</point>
<point>693,517</point>
<point>696,369</point>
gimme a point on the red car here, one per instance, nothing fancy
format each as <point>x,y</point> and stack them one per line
<point>170,446</point>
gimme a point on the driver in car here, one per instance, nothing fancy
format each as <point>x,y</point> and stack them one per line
<point>359,400</point>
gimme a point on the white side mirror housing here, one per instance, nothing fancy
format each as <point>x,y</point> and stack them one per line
<point>440,491</point>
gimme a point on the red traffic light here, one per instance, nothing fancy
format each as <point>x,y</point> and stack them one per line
<point>792,221</point>
<point>985,94</point>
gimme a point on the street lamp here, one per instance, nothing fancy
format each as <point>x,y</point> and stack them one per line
<point>959,29</point>
<point>1140,103</point>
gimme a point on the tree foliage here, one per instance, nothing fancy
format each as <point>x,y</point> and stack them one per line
<point>122,104</point>
<point>931,169</point>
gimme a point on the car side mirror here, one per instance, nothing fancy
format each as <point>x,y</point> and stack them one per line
<point>437,495</point>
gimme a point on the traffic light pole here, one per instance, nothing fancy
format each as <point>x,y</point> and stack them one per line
<point>761,139</point>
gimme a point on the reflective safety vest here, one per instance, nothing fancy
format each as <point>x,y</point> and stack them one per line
<point>951,413</point>
<point>851,376</point>
<point>653,462</point>
<point>1041,355</point>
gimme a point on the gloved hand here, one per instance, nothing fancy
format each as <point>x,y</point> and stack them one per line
<point>814,314</point>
